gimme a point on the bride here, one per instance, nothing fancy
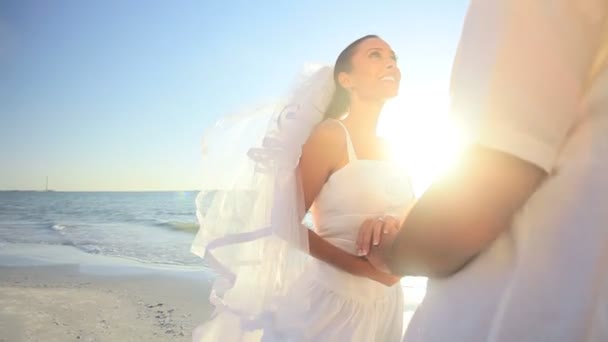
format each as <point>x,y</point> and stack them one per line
<point>320,153</point>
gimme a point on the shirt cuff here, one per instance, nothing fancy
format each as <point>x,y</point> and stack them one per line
<point>520,145</point>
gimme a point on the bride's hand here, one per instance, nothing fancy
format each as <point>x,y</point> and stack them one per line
<point>374,231</point>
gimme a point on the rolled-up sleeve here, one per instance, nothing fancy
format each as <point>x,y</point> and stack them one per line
<point>520,73</point>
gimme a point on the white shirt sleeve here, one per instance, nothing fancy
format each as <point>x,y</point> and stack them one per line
<point>520,73</point>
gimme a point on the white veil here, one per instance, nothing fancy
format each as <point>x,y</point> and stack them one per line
<point>251,208</point>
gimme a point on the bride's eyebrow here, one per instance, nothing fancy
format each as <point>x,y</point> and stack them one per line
<point>392,52</point>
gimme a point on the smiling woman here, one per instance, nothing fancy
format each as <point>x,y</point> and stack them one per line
<point>321,153</point>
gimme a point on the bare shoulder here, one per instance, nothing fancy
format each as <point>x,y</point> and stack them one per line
<point>328,132</point>
<point>327,141</point>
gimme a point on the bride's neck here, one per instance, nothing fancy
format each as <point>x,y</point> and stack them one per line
<point>363,117</point>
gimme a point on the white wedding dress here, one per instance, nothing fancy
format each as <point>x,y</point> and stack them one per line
<point>344,307</point>
<point>268,288</point>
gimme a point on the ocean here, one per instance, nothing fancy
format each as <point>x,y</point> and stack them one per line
<point>148,227</point>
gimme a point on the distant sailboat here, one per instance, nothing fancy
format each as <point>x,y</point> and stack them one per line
<point>46,189</point>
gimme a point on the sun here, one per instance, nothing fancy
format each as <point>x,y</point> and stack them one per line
<point>422,137</point>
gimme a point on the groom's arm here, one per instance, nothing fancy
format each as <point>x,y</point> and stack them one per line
<point>518,83</point>
<point>462,213</point>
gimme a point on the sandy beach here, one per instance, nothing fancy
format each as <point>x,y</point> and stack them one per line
<point>43,297</point>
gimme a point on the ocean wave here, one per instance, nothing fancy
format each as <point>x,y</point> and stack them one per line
<point>91,249</point>
<point>58,227</point>
<point>190,227</point>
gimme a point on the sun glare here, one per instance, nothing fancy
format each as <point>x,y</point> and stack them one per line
<point>422,137</point>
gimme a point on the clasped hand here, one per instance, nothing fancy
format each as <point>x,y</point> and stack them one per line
<point>375,239</point>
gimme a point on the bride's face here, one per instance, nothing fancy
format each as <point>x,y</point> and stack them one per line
<point>374,74</point>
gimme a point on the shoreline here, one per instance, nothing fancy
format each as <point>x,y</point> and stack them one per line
<point>59,293</point>
<point>33,254</point>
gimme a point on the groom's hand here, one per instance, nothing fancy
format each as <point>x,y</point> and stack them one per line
<point>378,254</point>
<point>374,231</point>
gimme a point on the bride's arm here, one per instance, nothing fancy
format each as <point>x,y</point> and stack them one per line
<point>325,251</point>
<point>321,155</point>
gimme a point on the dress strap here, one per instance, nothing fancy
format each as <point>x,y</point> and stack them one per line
<point>349,143</point>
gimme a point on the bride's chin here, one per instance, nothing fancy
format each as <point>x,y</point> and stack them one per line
<point>391,92</point>
<point>391,95</point>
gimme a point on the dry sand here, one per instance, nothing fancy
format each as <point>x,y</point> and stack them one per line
<point>62,303</point>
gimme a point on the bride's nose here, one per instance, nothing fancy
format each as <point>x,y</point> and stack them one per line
<point>390,64</point>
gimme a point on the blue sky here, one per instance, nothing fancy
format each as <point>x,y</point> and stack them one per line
<point>115,95</point>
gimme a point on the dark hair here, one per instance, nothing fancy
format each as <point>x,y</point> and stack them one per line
<point>341,98</point>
